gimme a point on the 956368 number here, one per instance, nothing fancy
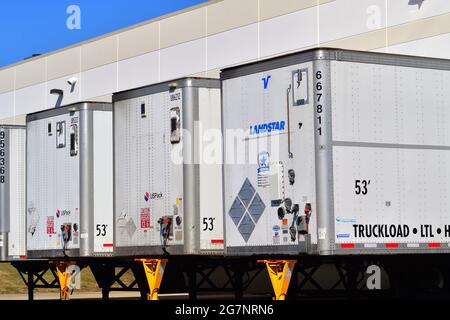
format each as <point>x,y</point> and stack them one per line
<point>2,157</point>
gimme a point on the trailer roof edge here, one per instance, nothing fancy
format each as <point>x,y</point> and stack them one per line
<point>184,82</point>
<point>334,54</point>
<point>74,107</point>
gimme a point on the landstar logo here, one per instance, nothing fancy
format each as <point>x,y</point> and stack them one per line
<point>267,127</point>
<point>266,81</point>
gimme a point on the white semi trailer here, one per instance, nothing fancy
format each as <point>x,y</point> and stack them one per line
<point>69,181</point>
<point>12,192</point>
<point>344,152</point>
<point>168,197</point>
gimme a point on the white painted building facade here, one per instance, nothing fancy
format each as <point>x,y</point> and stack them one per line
<point>203,39</point>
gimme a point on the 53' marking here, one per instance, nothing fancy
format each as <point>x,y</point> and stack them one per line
<point>101,230</point>
<point>208,224</point>
<point>361,187</point>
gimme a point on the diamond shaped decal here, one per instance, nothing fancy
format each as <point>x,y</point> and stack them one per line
<point>257,207</point>
<point>246,193</point>
<point>246,209</point>
<point>131,228</point>
<point>237,211</point>
<point>246,227</point>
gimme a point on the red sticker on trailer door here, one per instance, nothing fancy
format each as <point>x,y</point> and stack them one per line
<point>145,218</point>
<point>50,225</point>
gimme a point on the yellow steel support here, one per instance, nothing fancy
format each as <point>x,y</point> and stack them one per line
<point>280,273</point>
<point>63,278</point>
<point>154,271</point>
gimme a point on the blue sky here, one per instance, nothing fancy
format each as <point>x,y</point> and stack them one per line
<point>38,26</point>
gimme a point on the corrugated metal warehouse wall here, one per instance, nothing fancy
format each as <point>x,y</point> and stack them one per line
<point>203,39</point>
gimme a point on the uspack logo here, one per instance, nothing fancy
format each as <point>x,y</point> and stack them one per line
<point>154,195</point>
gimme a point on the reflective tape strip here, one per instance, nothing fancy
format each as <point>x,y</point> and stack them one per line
<point>215,241</point>
<point>107,245</point>
<point>392,245</point>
